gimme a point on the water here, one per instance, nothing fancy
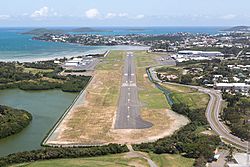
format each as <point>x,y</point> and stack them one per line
<point>45,106</point>
<point>156,30</point>
<point>15,46</point>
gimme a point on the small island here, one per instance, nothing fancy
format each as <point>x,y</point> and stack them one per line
<point>239,29</point>
<point>42,31</point>
<point>88,29</point>
<point>13,121</point>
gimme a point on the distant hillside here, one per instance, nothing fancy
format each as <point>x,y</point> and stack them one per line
<point>136,29</point>
<point>41,31</point>
<point>88,29</point>
<point>239,28</point>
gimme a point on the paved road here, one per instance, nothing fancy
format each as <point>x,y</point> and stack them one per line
<point>151,163</point>
<point>212,113</point>
<point>128,113</point>
<point>238,55</point>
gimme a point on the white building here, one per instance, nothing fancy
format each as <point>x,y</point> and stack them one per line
<point>186,55</point>
<point>200,53</point>
<point>71,63</point>
<point>232,86</point>
<point>74,62</point>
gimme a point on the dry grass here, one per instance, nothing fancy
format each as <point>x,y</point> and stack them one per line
<point>116,160</point>
<point>92,121</point>
<point>35,71</point>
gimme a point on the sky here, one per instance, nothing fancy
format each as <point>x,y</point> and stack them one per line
<point>99,13</point>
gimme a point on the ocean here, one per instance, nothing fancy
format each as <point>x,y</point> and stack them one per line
<point>15,46</point>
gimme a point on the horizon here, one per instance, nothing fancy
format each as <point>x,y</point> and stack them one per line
<point>79,13</point>
<point>117,26</point>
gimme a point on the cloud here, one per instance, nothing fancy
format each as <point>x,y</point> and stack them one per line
<point>92,13</point>
<point>228,17</point>
<point>140,16</point>
<point>43,12</point>
<point>123,14</point>
<point>4,17</point>
<point>111,15</point>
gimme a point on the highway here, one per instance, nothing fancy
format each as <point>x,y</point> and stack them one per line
<point>213,115</point>
<point>128,112</point>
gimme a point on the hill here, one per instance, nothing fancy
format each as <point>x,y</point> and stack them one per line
<point>88,29</point>
<point>239,28</point>
<point>41,31</point>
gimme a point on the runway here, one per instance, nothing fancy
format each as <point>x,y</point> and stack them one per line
<point>128,113</point>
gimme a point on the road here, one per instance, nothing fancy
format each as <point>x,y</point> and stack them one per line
<point>238,55</point>
<point>212,113</point>
<point>151,163</point>
<point>128,113</point>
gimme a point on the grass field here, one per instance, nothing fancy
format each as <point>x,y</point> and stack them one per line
<point>113,61</point>
<point>192,97</point>
<point>35,71</point>
<point>145,59</point>
<point>151,97</point>
<point>171,160</point>
<point>118,160</point>
<point>92,121</point>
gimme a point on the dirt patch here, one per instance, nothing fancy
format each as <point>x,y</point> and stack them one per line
<point>163,121</point>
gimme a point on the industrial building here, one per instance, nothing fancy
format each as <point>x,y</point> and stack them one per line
<point>237,87</point>
<point>186,55</point>
<point>191,53</point>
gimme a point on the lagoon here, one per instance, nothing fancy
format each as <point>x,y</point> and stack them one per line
<point>46,108</point>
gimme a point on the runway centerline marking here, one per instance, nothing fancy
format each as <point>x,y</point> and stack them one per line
<point>129,105</point>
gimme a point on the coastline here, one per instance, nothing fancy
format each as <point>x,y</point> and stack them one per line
<point>60,55</point>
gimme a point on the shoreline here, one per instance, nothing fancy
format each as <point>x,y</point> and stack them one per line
<point>58,55</point>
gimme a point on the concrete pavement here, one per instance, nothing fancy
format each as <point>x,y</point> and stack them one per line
<point>128,113</point>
